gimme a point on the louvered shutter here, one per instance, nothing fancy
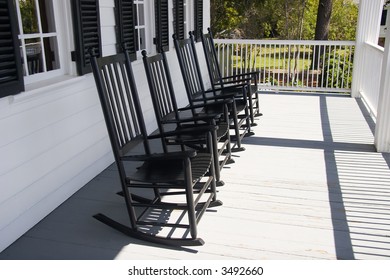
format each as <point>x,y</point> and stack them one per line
<point>86,22</point>
<point>198,19</point>
<point>179,19</point>
<point>11,74</point>
<point>125,25</point>
<point>162,25</point>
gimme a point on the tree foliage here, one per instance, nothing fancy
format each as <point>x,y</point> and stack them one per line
<point>280,19</point>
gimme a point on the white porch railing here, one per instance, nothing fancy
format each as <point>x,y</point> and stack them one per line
<point>369,88</point>
<point>312,66</point>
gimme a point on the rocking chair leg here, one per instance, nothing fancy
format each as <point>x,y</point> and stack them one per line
<point>148,237</point>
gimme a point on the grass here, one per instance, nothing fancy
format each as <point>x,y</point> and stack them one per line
<point>276,57</point>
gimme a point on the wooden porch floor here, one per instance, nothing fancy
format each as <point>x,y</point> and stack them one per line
<point>309,186</point>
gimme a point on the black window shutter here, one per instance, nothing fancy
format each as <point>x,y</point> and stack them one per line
<point>179,19</point>
<point>125,25</point>
<point>198,19</point>
<point>162,25</point>
<point>86,22</point>
<point>11,73</point>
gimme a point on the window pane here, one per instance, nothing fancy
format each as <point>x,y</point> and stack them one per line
<point>34,56</point>
<point>28,11</point>
<point>142,38</point>
<point>51,53</point>
<point>141,15</point>
<point>47,16</point>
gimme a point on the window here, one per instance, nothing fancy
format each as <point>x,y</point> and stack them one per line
<point>38,37</point>
<point>140,25</point>
<point>162,25</point>
<point>33,41</point>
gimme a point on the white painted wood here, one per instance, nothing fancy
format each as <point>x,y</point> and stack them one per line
<point>305,188</point>
<point>370,12</point>
<point>54,138</point>
<point>373,56</point>
<point>382,133</point>
<point>45,144</point>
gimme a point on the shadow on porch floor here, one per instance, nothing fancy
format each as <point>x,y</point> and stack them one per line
<point>309,186</point>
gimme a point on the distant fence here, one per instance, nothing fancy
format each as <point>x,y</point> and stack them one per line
<point>319,66</point>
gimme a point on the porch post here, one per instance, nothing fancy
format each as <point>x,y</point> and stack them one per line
<point>382,127</point>
<point>370,12</point>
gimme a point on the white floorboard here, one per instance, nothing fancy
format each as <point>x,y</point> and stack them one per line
<point>309,186</point>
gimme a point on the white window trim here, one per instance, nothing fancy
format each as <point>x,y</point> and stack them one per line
<point>186,15</point>
<point>148,26</point>
<point>65,42</point>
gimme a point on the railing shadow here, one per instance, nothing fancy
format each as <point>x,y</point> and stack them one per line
<point>342,237</point>
<point>358,182</point>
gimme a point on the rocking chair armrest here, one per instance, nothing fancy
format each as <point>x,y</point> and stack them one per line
<point>198,117</point>
<point>221,101</point>
<point>246,75</point>
<point>226,96</point>
<point>195,129</point>
<point>237,80</point>
<point>161,156</point>
<point>230,88</point>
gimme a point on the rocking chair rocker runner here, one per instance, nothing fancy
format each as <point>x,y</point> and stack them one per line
<point>168,114</point>
<point>180,181</point>
<point>196,93</point>
<point>218,81</point>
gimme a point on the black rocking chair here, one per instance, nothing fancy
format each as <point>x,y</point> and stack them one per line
<point>168,114</point>
<point>166,182</point>
<point>239,114</point>
<point>218,81</point>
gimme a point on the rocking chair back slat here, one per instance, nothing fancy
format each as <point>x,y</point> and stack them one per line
<point>160,87</point>
<point>211,56</point>
<point>121,103</point>
<point>163,96</point>
<point>190,69</point>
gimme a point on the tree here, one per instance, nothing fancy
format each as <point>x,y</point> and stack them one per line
<point>284,19</point>
<point>343,20</point>
<point>324,13</point>
<point>323,19</point>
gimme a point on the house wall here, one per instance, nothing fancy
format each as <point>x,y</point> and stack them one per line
<point>53,138</point>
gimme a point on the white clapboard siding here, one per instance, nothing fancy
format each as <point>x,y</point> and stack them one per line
<point>51,145</point>
<point>107,24</point>
<point>54,140</point>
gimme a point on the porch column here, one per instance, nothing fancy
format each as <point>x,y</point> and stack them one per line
<point>382,127</point>
<point>370,12</point>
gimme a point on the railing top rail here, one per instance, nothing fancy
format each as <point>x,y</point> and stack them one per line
<point>285,42</point>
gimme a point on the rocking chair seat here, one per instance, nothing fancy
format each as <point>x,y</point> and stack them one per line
<point>240,106</point>
<point>171,171</point>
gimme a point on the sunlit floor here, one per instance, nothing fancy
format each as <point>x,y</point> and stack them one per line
<point>309,186</point>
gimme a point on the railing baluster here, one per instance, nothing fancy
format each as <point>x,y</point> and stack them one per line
<point>327,71</point>
<point>333,66</point>
<point>289,64</point>
<point>278,66</point>
<point>302,54</point>
<point>338,69</point>
<point>349,65</point>
<point>307,69</point>
<point>312,68</point>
